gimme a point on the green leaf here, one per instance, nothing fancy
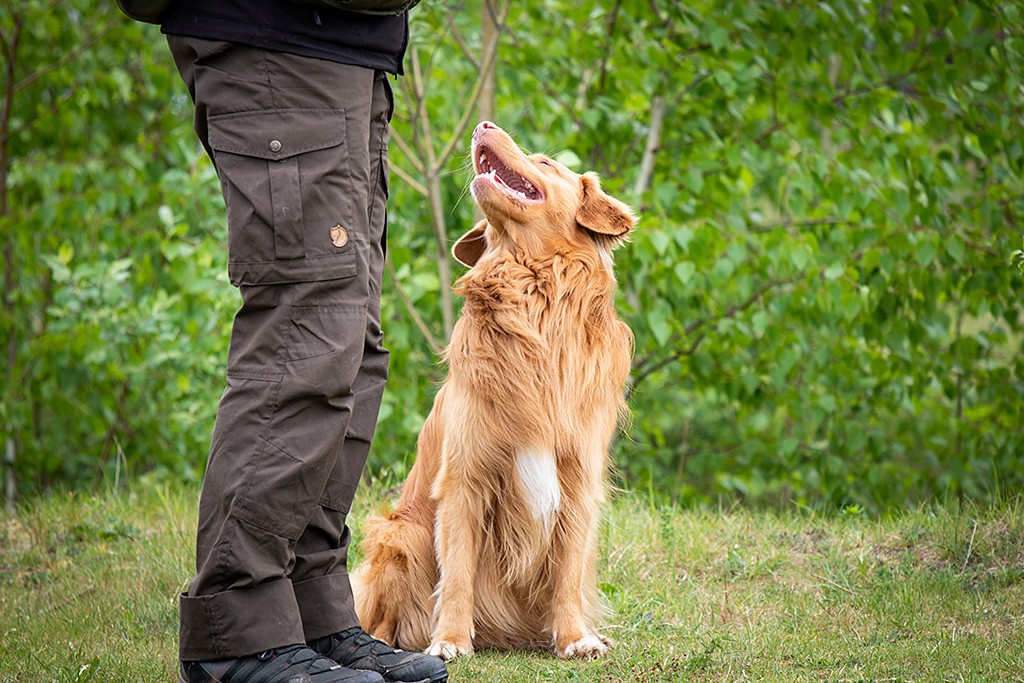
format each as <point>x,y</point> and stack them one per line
<point>800,256</point>
<point>659,325</point>
<point>835,271</point>
<point>725,79</point>
<point>660,241</point>
<point>166,216</point>
<point>851,305</point>
<point>683,237</point>
<point>569,159</point>
<point>955,248</point>
<point>925,253</point>
<point>746,179</point>
<point>694,180</point>
<point>684,271</point>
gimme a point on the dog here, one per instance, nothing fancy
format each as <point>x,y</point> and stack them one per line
<point>493,543</point>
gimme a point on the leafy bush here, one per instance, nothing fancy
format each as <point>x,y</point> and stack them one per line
<point>116,309</point>
<point>819,285</point>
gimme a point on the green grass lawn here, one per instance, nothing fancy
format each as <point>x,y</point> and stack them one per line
<point>89,593</point>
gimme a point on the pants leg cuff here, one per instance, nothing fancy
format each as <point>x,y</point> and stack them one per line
<point>326,605</point>
<point>237,623</point>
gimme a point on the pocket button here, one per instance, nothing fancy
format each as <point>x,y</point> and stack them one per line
<point>275,145</point>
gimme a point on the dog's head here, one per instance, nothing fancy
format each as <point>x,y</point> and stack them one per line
<point>535,204</point>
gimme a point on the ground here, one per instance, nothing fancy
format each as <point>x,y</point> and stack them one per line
<point>89,585</point>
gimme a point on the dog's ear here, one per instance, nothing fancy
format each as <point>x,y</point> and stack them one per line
<point>468,249</point>
<point>600,213</point>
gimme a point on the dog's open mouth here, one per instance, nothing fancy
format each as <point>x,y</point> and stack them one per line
<point>490,167</point>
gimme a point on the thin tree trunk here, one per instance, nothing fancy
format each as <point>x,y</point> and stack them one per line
<point>489,34</point>
<point>10,50</point>
<point>444,264</point>
<point>12,482</point>
<point>435,199</point>
<point>643,181</point>
<point>430,162</point>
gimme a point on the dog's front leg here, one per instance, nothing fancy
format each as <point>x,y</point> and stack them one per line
<point>574,544</point>
<point>459,515</point>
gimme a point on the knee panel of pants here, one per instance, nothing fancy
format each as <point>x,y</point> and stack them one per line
<point>319,342</point>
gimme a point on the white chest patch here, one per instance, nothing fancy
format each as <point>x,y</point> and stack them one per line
<point>539,476</point>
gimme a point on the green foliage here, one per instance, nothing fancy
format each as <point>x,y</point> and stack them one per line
<point>117,307</point>
<point>1017,259</point>
<point>818,286</point>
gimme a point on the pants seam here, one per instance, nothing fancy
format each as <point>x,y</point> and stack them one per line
<point>265,436</point>
<point>266,78</point>
<point>214,621</point>
<point>263,448</point>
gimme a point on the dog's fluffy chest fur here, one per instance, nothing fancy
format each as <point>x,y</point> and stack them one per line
<point>542,329</point>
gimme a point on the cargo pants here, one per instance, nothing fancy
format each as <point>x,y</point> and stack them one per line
<point>300,147</point>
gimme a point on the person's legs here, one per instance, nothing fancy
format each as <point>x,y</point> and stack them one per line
<point>289,137</point>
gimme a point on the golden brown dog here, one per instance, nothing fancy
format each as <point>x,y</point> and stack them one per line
<point>493,541</point>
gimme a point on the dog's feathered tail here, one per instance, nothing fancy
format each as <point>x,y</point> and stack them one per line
<point>394,587</point>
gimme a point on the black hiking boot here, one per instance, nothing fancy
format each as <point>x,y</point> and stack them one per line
<point>357,649</point>
<point>291,664</point>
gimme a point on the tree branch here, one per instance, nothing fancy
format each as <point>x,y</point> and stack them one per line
<point>918,65</point>
<point>457,37</point>
<point>433,162</point>
<point>412,182</point>
<point>410,154</point>
<point>553,94</point>
<point>435,202</point>
<point>488,59</point>
<point>613,19</point>
<point>649,364</point>
<point>798,224</point>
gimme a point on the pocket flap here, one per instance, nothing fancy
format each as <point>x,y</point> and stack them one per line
<point>277,134</point>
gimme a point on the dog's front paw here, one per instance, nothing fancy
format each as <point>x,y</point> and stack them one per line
<point>590,646</point>
<point>449,650</point>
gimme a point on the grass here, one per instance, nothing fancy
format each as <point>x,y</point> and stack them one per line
<point>89,585</point>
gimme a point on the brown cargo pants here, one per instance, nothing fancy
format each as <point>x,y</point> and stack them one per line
<point>300,146</point>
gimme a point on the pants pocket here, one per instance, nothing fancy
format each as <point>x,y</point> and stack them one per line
<point>284,176</point>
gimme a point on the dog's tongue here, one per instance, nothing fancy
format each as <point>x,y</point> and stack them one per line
<point>507,177</point>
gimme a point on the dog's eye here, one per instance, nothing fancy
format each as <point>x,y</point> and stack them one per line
<point>544,163</point>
